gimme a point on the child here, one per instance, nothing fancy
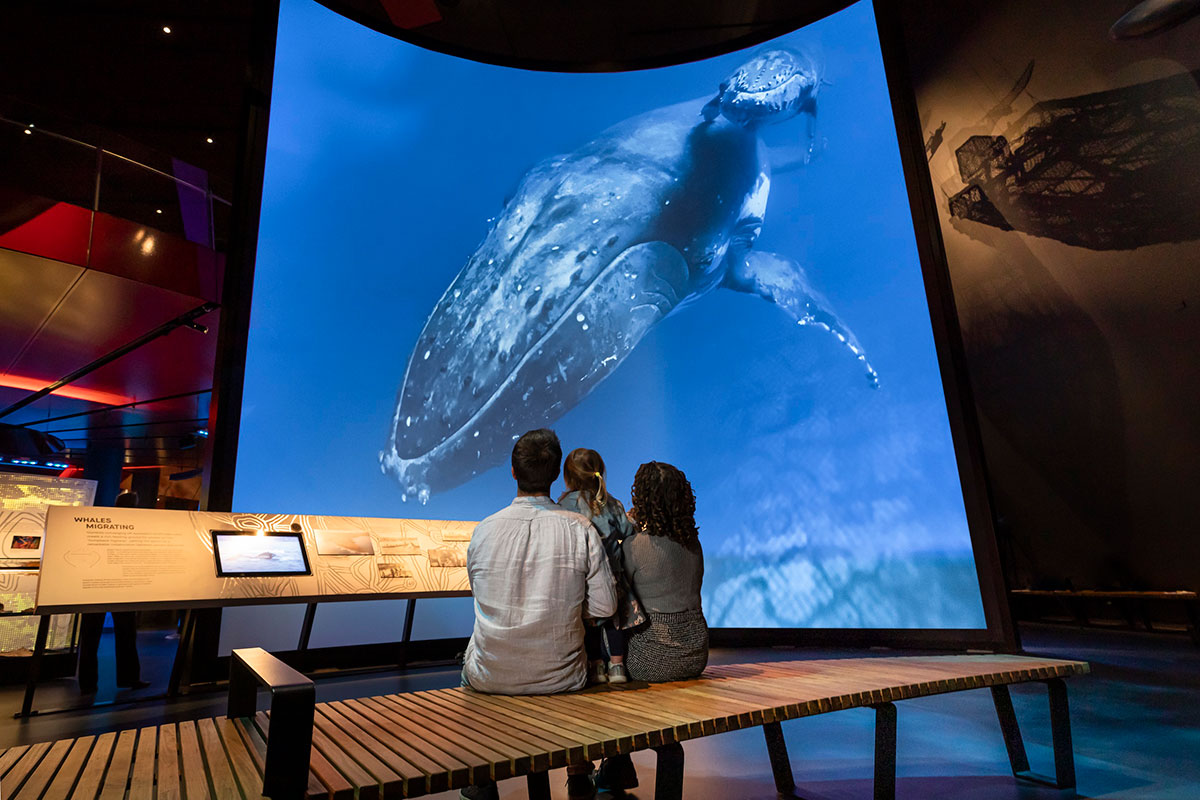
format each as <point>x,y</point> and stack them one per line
<point>583,472</point>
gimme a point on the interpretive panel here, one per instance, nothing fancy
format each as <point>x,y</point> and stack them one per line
<point>150,558</point>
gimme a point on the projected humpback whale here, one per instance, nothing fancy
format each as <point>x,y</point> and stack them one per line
<point>593,249</point>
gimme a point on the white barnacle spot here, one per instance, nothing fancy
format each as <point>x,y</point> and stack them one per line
<point>408,422</point>
<point>613,357</point>
<point>667,203</point>
<point>556,247</point>
<point>518,287</point>
<point>579,317</point>
<point>475,434</point>
<point>457,292</point>
<point>595,251</point>
<point>426,355</point>
<point>841,338</point>
<point>537,288</point>
<point>491,261</point>
<point>516,436</point>
<point>512,236</point>
<point>597,219</point>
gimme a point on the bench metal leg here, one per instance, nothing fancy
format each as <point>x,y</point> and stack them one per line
<point>1060,731</point>
<point>538,785</point>
<point>885,751</point>
<point>668,783</point>
<point>781,765</point>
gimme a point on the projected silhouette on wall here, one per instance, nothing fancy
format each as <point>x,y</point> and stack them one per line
<point>1101,170</point>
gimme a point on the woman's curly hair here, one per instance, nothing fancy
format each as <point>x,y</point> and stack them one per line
<point>664,503</point>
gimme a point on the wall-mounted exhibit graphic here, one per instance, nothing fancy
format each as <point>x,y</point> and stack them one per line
<point>149,558</point>
<point>1063,142</point>
<point>23,503</point>
<point>710,264</point>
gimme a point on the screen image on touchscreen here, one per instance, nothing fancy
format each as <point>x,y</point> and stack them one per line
<point>241,554</point>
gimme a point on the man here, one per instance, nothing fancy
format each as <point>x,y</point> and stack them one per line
<point>536,571</point>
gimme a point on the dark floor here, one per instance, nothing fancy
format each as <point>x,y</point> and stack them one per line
<point>1135,720</point>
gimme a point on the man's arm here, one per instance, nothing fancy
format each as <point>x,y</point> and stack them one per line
<point>600,599</point>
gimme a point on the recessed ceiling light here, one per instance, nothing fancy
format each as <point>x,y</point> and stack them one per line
<point>166,28</point>
<point>209,140</point>
<point>28,132</point>
<point>158,211</point>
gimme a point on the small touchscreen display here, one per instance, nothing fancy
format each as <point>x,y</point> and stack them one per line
<point>250,553</point>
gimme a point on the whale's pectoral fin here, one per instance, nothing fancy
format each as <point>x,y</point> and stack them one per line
<point>783,282</point>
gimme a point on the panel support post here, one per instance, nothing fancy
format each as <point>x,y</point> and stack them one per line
<point>310,615</point>
<point>183,654</point>
<point>410,608</point>
<point>1060,730</point>
<point>538,785</point>
<point>781,765</point>
<point>668,784</point>
<point>35,666</point>
<point>885,751</point>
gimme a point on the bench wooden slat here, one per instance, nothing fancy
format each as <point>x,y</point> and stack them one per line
<point>219,771</point>
<point>434,748</point>
<point>469,767</point>
<point>560,747</point>
<point>612,740</point>
<point>25,765</point>
<point>245,772</point>
<point>575,745</point>
<point>543,754</point>
<point>337,787</point>
<point>64,780</point>
<point>93,771</point>
<point>117,777</point>
<point>436,778</point>
<point>167,787</point>
<point>384,746</point>
<point>594,747</point>
<point>141,781</point>
<point>45,771</point>
<point>631,733</point>
<point>11,756</point>
<point>504,759</point>
<point>355,776</point>
<point>388,779</point>
<point>678,727</point>
<point>195,778</point>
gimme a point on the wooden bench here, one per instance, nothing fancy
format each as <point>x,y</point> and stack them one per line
<point>407,745</point>
<point>1075,601</point>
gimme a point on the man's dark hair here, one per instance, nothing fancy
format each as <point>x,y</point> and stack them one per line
<point>536,458</point>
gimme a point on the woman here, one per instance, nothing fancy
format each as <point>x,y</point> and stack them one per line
<point>665,566</point>
<point>584,474</point>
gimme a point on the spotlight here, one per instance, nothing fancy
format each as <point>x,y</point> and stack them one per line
<point>166,28</point>
<point>28,132</point>
<point>196,326</point>
<point>209,140</point>
<point>158,211</point>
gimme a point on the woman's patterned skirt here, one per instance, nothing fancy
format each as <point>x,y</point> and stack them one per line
<point>670,647</point>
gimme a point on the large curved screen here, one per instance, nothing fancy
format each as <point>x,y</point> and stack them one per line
<point>710,264</point>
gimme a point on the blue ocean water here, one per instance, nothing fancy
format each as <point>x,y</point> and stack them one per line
<point>821,502</point>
